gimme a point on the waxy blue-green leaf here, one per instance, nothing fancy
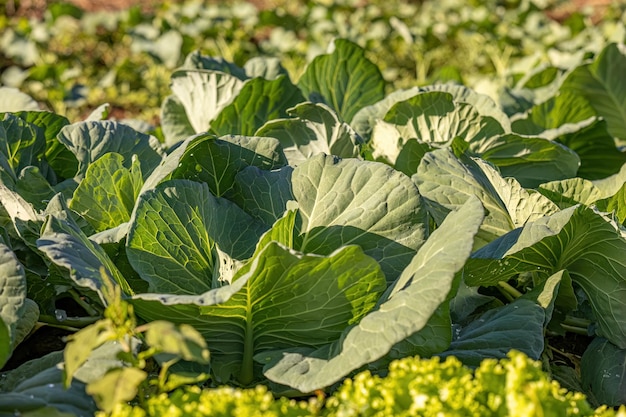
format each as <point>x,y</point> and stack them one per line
<point>518,325</point>
<point>569,118</point>
<point>603,84</point>
<point>591,140</point>
<point>34,187</point>
<point>466,300</point>
<point>90,140</point>
<point>173,231</point>
<point>40,391</point>
<point>26,220</point>
<point>447,182</point>
<point>281,299</point>
<point>312,129</point>
<point>565,108</point>
<point>107,194</point>
<point>66,245</point>
<point>433,118</point>
<point>616,204</point>
<point>603,372</point>
<point>263,194</point>
<point>405,310</point>
<point>410,156</point>
<point>555,293</point>
<point>482,103</point>
<point>29,316</point>
<point>578,239</point>
<point>12,297</point>
<point>216,161</point>
<point>530,160</point>
<point>569,192</point>
<point>344,79</point>
<point>174,121</point>
<point>359,202</point>
<point>365,119</point>
<point>258,101</point>
<point>435,336</point>
<point>204,94</point>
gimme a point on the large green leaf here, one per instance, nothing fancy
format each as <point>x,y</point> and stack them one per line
<point>37,388</point>
<point>603,83</point>
<point>599,157</point>
<point>58,156</point>
<point>569,118</point>
<point>217,161</point>
<point>567,107</point>
<point>106,196</point>
<point>359,202</point>
<point>567,193</point>
<point>484,104</point>
<point>585,243</point>
<point>68,247</point>
<point>173,233</point>
<point>344,79</point>
<point>174,121</point>
<point>21,142</point>
<point>603,372</point>
<point>35,189</point>
<point>204,94</point>
<point>314,129</point>
<point>281,299</point>
<point>12,289</point>
<point>91,140</point>
<point>434,118</point>
<point>423,286</point>
<point>530,160</point>
<point>29,317</point>
<point>263,194</point>
<point>258,101</point>
<point>5,343</point>
<point>447,182</point>
<point>616,204</point>
<point>518,325</point>
<point>26,220</point>
<point>365,119</point>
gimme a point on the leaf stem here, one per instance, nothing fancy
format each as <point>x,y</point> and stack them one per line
<point>575,329</point>
<point>70,323</point>
<point>577,322</point>
<point>89,309</point>
<point>509,291</point>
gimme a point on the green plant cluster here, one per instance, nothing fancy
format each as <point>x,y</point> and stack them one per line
<point>295,233</point>
<point>73,61</point>
<point>511,387</point>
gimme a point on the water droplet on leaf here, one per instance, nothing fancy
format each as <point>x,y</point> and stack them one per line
<point>60,315</point>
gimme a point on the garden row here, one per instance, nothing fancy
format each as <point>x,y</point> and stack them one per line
<point>296,233</point>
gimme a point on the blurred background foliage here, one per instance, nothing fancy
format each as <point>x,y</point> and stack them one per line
<point>74,56</point>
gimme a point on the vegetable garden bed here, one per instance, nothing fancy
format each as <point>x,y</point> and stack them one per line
<point>297,231</point>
